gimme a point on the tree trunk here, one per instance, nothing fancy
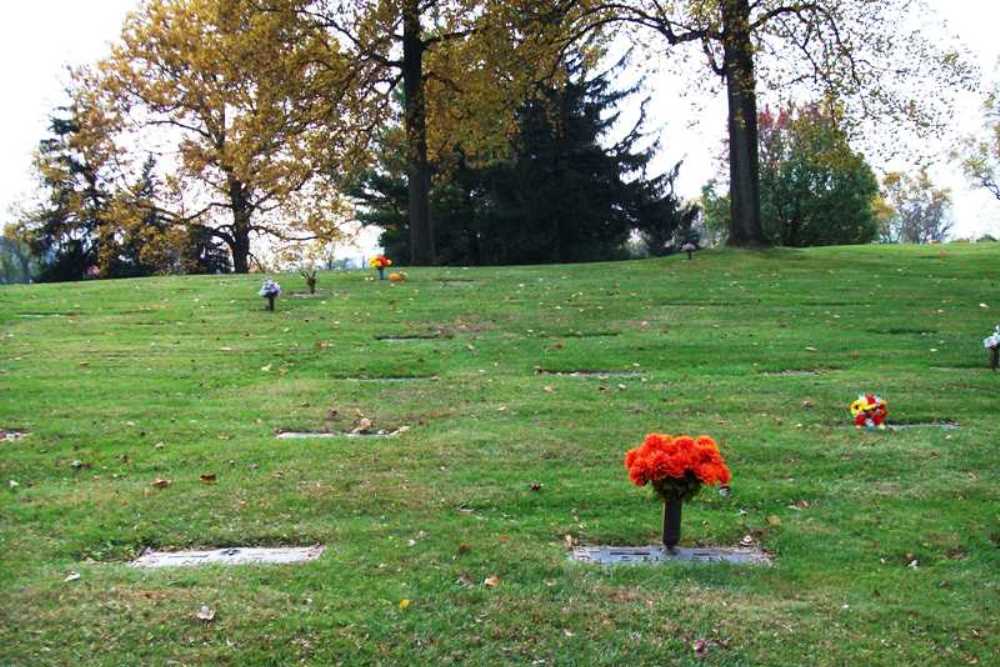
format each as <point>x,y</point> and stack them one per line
<point>744,168</point>
<point>415,121</point>
<point>240,247</point>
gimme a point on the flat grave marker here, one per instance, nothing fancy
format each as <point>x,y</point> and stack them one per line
<point>658,554</point>
<point>229,556</point>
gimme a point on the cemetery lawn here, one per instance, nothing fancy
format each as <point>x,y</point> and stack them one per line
<point>885,544</point>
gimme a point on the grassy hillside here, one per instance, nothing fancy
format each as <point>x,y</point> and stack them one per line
<point>885,543</point>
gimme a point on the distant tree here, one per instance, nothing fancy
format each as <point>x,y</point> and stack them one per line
<point>857,50</point>
<point>815,190</point>
<point>17,264</point>
<point>716,211</point>
<point>65,229</point>
<point>248,102</point>
<point>663,221</point>
<point>560,196</point>
<point>86,225</point>
<point>464,67</point>
<point>981,158</point>
<point>921,210</point>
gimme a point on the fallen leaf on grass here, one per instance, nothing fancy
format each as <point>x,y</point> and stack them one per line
<point>773,520</point>
<point>266,369</point>
<point>569,541</point>
<point>206,614</point>
<point>549,389</point>
<point>160,483</point>
<point>536,486</point>
<point>465,580</point>
<point>464,548</point>
<point>208,479</point>
<point>491,581</point>
<point>363,425</point>
<point>807,403</point>
<point>404,603</point>
<point>568,633</point>
<point>72,576</point>
<point>810,348</point>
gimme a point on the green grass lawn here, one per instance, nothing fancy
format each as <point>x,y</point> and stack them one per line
<point>885,544</point>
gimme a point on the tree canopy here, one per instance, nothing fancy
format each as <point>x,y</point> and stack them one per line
<point>561,195</point>
<point>815,190</point>
<point>981,160</point>
<point>464,67</point>
<point>858,51</point>
<point>250,107</point>
<point>921,211</point>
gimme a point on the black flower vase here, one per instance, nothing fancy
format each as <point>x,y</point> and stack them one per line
<point>381,273</point>
<point>994,357</point>
<point>672,523</point>
<point>270,302</point>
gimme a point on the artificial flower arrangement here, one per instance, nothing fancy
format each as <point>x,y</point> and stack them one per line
<point>676,467</point>
<point>380,263</point>
<point>992,343</point>
<point>270,291</point>
<point>869,411</point>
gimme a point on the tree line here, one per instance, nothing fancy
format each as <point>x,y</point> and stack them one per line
<point>214,124</point>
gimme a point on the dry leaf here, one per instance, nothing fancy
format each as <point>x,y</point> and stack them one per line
<point>568,633</point>
<point>161,483</point>
<point>807,403</point>
<point>811,349</point>
<point>492,581</point>
<point>206,614</point>
<point>465,580</point>
<point>363,425</point>
<point>266,369</point>
<point>773,520</point>
<point>72,576</point>
<point>569,541</point>
<point>208,479</point>
<point>464,548</point>
<point>536,486</point>
<point>549,389</point>
<point>404,603</point>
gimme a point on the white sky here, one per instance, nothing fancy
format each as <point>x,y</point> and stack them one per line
<point>38,39</point>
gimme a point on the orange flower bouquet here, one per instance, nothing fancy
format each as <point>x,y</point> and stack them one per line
<point>676,467</point>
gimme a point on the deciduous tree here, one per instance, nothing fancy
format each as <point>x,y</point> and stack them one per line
<point>463,65</point>
<point>815,189</point>
<point>859,51</point>
<point>250,105</point>
<point>981,160</point>
<point>921,211</point>
<point>564,193</point>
